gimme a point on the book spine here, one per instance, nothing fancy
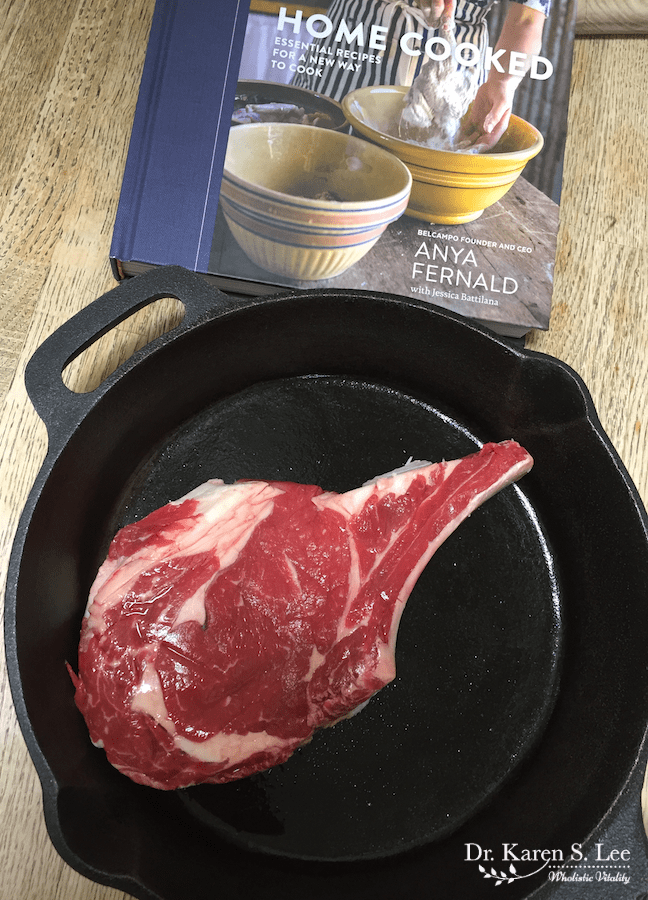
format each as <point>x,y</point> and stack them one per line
<point>170,190</point>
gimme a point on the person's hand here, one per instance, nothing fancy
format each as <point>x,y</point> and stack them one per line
<point>488,119</point>
<point>488,116</point>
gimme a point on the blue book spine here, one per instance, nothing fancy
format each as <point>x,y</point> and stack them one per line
<point>169,197</point>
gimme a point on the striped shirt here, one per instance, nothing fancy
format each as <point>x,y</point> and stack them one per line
<point>399,17</point>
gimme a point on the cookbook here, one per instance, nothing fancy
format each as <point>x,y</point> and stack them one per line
<point>357,144</point>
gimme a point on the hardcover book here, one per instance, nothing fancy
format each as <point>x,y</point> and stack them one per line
<point>412,147</point>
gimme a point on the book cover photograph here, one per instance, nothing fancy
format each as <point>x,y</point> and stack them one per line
<point>413,147</point>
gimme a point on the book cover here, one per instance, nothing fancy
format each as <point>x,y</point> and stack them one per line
<point>356,144</point>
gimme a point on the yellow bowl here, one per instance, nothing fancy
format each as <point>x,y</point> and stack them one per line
<point>449,188</point>
<point>306,202</point>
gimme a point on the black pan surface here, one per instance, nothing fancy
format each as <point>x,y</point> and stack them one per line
<point>520,683</point>
<point>478,650</point>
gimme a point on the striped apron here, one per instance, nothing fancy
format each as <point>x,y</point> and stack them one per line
<point>395,67</point>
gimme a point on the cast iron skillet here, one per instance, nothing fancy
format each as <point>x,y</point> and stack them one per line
<point>519,709</point>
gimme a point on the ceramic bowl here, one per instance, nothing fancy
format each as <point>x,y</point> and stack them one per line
<point>251,91</point>
<point>307,203</point>
<point>448,187</point>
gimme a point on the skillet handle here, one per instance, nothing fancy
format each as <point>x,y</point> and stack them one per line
<point>56,404</point>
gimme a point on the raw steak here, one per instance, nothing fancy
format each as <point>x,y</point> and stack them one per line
<point>227,626</point>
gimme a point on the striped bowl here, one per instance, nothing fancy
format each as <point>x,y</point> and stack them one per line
<point>307,203</point>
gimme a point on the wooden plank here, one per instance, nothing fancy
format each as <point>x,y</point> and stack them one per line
<point>612,17</point>
<point>524,217</point>
<point>272,8</point>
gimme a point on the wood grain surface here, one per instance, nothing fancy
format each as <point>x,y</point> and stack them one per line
<point>612,17</point>
<point>387,263</point>
<point>69,72</point>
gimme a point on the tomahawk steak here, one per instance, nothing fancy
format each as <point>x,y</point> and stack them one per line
<point>227,626</point>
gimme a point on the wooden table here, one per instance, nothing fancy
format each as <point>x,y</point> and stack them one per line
<point>391,260</point>
<point>70,72</point>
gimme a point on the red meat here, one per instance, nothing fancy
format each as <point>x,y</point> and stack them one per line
<point>227,626</point>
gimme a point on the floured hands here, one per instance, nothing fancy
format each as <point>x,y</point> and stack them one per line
<point>434,10</point>
<point>488,116</point>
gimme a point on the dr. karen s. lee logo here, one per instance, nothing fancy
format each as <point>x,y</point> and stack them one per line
<point>510,863</point>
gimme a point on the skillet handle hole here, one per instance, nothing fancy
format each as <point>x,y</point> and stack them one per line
<point>91,367</point>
